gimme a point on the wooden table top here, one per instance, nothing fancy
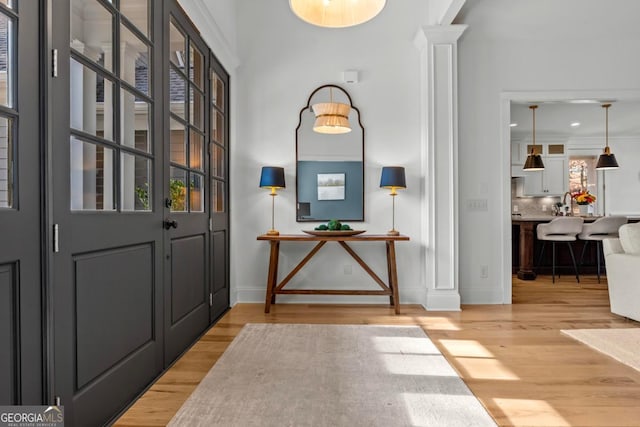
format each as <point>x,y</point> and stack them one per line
<point>311,238</point>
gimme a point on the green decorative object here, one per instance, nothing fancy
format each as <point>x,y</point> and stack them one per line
<point>333,225</point>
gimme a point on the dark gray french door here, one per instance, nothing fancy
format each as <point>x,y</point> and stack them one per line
<point>187,294</point>
<point>139,195</point>
<point>219,164</point>
<point>108,204</point>
<point>21,307</point>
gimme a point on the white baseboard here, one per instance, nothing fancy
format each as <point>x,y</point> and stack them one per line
<point>482,296</point>
<point>443,301</point>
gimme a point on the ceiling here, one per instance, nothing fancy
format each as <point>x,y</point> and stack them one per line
<point>563,19</point>
<point>555,118</point>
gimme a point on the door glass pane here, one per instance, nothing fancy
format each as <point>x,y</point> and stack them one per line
<point>178,147</point>
<point>217,161</point>
<point>217,202</point>
<point>196,150</point>
<point>177,43</point>
<point>6,163</point>
<point>178,190</point>
<point>134,60</point>
<point>217,91</point>
<point>197,193</point>
<point>91,101</point>
<point>91,31</point>
<point>135,178</point>
<point>177,90</point>
<point>92,182</point>
<point>196,108</point>
<point>8,3</point>
<point>196,70</point>
<point>217,127</point>
<point>135,119</point>
<point>6,61</point>
<point>137,11</point>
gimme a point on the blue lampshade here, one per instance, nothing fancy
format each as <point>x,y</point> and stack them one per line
<point>272,177</point>
<point>393,176</point>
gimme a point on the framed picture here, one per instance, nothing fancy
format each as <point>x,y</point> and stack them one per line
<point>330,186</point>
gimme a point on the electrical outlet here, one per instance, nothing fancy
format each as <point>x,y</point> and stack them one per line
<point>544,208</point>
<point>515,208</point>
<point>484,271</point>
<point>347,269</point>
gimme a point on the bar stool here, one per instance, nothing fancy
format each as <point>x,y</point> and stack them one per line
<point>603,228</point>
<point>563,229</point>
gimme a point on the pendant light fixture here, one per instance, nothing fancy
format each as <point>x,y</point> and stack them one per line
<point>534,160</point>
<point>331,117</point>
<point>607,159</point>
<point>336,13</point>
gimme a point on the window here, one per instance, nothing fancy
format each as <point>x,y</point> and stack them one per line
<point>8,113</point>
<point>187,122</point>
<point>111,103</point>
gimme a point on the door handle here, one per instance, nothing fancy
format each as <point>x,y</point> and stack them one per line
<point>170,224</point>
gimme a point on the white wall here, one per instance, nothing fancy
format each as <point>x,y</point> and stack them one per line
<point>540,53</point>
<point>283,60</point>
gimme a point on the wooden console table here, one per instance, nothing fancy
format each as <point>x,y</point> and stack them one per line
<point>274,288</point>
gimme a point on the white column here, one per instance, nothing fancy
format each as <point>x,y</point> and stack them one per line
<point>439,121</point>
<point>128,55</point>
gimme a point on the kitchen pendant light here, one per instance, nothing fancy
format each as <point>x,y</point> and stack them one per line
<point>534,160</point>
<point>607,159</point>
<point>336,13</point>
<point>331,117</point>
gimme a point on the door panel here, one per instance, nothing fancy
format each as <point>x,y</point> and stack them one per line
<point>187,276</point>
<point>8,333</point>
<point>220,282</point>
<point>114,307</point>
<point>106,201</point>
<point>219,160</point>
<point>186,185</point>
<point>21,333</point>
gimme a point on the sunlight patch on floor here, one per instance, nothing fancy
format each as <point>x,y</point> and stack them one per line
<point>473,360</point>
<point>430,409</point>
<point>530,412</point>
<point>417,364</point>
<point>486,369</point>
<point>404,345</point>
<point>437,323</point>
<point>465,348</point>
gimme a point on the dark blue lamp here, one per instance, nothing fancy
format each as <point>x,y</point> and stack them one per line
<point>393,177</point>
<point>272,177</point>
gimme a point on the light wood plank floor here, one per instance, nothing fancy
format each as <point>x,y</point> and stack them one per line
<point>512,357</point>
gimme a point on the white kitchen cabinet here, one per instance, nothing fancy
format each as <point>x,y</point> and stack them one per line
<point>552,181</point>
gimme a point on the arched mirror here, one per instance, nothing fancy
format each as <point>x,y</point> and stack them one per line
<point>329,158</point>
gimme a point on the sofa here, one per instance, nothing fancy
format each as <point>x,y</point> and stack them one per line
<point>622,259</point>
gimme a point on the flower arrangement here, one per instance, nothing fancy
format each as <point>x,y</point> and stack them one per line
<point>583,197</point>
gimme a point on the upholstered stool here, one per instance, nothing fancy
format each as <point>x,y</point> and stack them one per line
<point>563,229</point>
<point>603,228</point>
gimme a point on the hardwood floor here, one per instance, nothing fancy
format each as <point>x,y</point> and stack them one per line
<point>512,357</point>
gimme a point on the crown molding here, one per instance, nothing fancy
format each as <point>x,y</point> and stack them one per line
<point>202,17</point>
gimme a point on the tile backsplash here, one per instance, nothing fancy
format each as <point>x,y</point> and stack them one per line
<point>531,206</point>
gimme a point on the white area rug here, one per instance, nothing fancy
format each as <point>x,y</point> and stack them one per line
<point>332,375</point>
<point>621,344</point>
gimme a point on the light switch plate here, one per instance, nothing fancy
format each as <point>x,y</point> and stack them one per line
<point>477,205</point>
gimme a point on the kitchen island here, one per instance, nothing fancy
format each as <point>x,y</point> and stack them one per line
<point>525,245</point>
